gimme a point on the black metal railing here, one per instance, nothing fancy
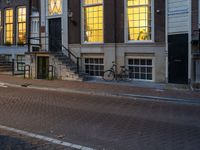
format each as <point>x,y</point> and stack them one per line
<point>73,57</point>
<point>13,67</point>
<point>57,44</point>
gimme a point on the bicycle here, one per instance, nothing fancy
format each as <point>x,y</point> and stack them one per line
<point>112,73</point>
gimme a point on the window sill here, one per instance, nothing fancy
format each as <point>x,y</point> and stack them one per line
<point>140,42</point>
<point>91,43</point>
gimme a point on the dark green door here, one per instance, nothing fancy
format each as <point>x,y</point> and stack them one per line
<point>42,67</point>
<point>178,59</point>
<point>55,38</point>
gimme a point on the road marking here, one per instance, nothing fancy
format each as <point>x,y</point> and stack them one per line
<point>3,85</point>
<point>45,138</point>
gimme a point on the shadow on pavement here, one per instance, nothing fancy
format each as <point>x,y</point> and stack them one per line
<point>12,143</point>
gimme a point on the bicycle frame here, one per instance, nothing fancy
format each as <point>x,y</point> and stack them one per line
<point>116,73</point>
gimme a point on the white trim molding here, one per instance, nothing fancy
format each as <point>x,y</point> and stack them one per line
<point>126,25</point>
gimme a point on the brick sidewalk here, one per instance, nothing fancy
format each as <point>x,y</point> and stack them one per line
<point>96,87</point>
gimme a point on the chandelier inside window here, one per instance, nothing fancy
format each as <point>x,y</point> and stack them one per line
<point>55,7</point>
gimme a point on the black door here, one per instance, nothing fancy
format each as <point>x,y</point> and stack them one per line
<point>178,59</point>
<point>55,37</point>
<point>42,67</point>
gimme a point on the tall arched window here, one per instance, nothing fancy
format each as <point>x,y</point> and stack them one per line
<point>55,7</point>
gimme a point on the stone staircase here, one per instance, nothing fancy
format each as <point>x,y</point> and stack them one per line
<point>5,66</point>
<point>66,68</point>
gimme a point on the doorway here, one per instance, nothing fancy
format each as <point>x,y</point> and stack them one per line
<point>55,35</point>
<point>42,67</point>
<point>178,59</point>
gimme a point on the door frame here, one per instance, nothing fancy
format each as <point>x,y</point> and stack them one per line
<point>37,68</point>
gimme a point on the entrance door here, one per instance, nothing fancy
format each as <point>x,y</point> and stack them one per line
<point>42,67</point>
<point>55,36</point>
<point>178,59</point>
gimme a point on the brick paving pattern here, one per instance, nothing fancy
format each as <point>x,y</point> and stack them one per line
<point>102,122</point>
<point>103,87</point>
<point>13,141</point>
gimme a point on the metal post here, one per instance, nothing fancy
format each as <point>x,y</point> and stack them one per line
<point>13,67</point>
<point>78,65</point>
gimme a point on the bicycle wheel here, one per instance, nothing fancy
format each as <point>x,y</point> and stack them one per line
<point>108,75</point>
<point>125,75</point>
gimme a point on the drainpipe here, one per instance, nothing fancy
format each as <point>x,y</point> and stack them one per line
<point>29,24</point>
<point>115,30</point>
<point>189,43</point>
<point>166,42</point>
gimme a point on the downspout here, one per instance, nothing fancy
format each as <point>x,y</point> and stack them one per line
<point>166,42</point>
<point>189,43</point>
<point>29,24</point>
<point>115,30</point>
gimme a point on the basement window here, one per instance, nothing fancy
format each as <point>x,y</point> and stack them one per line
<point>140,69</point>
<point>20,62</point>
<point>94,66</point>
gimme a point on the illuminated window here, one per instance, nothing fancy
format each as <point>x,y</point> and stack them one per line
<point>9,27</point>
<point>93,21</point>
<point>139,20</point>
<point>0,20</point>
<point>1,28</point>
<point>21,25</point>
<point>55,7</point>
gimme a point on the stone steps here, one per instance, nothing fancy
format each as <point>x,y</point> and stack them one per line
<point>67,67</point>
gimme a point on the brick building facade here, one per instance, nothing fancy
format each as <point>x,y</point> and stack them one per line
<point>112,35</point>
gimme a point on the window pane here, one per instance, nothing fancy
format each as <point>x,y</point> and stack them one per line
<point>139,19</point>
<point>21,25</point>
<point>55,7</point>
<point>93,21</point>
<point>9,26</point>
<point>140,69</point>
<point>94,66</point>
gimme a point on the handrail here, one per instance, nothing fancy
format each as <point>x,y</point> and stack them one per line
<point>68,54</point>
<point>13,67</point>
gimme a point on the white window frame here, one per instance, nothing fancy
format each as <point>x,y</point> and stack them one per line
<point>94,57</point>
<point>4,26</point>
<point>143,57</point>
<point>199,13</point>
<point>126,25</point>
<point>82,24</point>
<point>17,32</point>
<point>1,26</point>
<point>0,20</point>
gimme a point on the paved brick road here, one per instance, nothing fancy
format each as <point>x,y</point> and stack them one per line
<point>13,141</point>
<point>104,87</point>
<point>101,122</point>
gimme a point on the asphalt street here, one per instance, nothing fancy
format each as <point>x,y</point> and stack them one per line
<point>98,122</point>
